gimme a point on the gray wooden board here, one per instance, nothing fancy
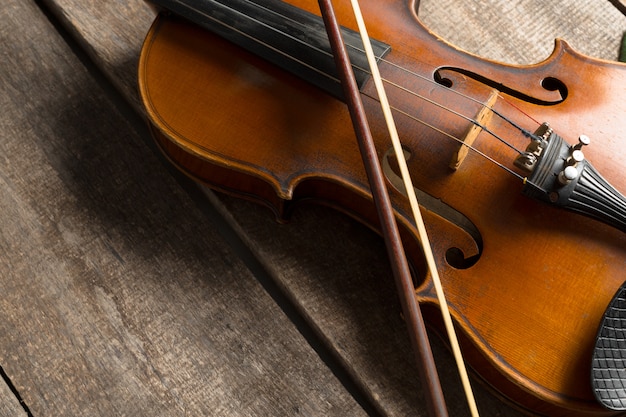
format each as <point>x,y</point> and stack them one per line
<point>9,402</point>
<point>346,293</point>
<point>523,31</point>
<point>118,296</point>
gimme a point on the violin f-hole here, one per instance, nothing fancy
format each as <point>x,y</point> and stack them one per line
<point>554,90</point>
<point>455,256</point>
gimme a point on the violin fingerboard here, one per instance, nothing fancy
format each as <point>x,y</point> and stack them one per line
<point>284,35</point>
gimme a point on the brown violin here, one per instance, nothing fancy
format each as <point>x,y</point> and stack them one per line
<point>518,168</point>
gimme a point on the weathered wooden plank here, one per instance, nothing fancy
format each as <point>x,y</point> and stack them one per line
<point>111,32</point>
<point>523,32</point>
<point>118,296</point>
<point>9,403</point>
<point>347,293</point>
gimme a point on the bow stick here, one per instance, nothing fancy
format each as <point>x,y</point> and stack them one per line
<point>393,243</point>
<point>399,262</point>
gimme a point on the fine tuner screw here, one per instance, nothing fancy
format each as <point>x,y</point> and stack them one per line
<point>570,172</point>
<point>583,140</point>
<point>575,157</point>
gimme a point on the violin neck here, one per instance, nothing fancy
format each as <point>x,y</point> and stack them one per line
<point>284,35</point>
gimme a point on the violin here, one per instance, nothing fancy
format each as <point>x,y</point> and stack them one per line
<point>518,168</point>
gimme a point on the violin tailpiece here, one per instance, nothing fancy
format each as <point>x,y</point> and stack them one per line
<point>560,175</point>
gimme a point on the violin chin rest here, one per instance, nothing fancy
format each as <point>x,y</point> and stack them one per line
<point>608,368</point>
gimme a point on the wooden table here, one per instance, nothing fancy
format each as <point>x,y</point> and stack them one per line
<point>129,290</point>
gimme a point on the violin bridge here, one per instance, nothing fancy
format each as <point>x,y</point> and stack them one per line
<point>482,118</point>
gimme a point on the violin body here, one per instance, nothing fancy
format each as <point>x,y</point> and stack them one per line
<point>527,283</point>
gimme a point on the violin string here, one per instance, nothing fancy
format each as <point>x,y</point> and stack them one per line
<point>334,79</point>
<point>508,120</point>
<point>272,48</point>
<point>454,138</point>
<point>518,109</point>
<point>459,93</point>
<point>449,135</point>
<point>525,132</point>
<point>469,119</point>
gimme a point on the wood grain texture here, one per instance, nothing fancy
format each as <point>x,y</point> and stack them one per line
<point>111,33</point>
<point>166,334</point>
<point>9,401</point>
<point>523,32</point>
<point>118,296</point>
